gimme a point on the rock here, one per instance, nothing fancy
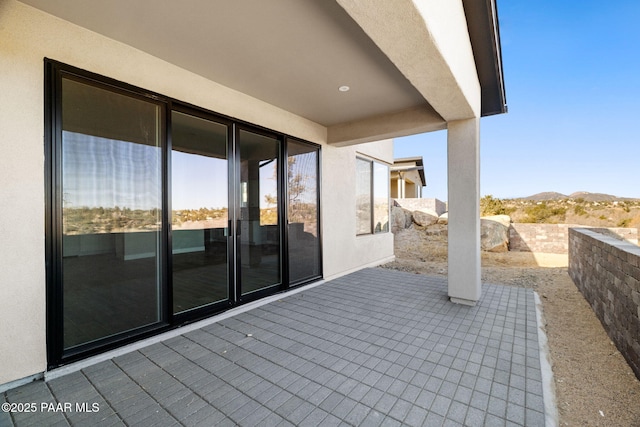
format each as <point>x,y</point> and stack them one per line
<point>401,218</point>
<point>444,218</point>
<point>436,230</point>
<point>502,219</point>
<point>425,217</point>
<point>494,235</point>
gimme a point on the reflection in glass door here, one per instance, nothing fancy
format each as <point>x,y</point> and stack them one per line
<point>199,212</point>
<point>303,211</point>
<point>111,216</point>
<point>258,234</point>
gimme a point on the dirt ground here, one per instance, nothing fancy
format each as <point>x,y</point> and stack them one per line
<point>594,385</point>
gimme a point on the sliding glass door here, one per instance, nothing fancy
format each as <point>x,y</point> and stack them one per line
<point>221,251</point>
<point>259,208</point>
<point>110,222</point>
<point>199,212</point>
<point>160,213</point>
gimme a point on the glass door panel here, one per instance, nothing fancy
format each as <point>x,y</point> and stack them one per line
<point>302,207</point>
<point>111,213</point>
<point>199,212</point>
<point>258,235</point>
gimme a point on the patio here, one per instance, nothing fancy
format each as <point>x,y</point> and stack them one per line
<point>376,347</point>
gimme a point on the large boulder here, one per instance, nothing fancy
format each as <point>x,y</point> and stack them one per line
<point>401,218</point>
<point>502,219</point>
<point>436,230</point>
<point>494,233</point>
<point>444,218</point>
<point>425,217</point>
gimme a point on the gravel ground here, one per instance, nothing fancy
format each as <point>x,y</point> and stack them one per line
<point>594,384</point>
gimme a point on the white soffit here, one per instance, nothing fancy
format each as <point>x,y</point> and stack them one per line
<point>294,54</point>
<point>428,40</point>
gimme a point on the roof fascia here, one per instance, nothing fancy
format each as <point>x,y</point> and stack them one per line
<point>484,32</point>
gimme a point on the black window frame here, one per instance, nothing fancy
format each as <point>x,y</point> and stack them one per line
<point>372,225</point>
<point>318,148</point>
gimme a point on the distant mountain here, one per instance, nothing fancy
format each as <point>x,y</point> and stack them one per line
<point>588,197</point>
<point>547,195</point>
<point>594,197</point>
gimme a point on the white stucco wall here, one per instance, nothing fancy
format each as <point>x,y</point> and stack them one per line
<point>463,157</point>
<point>343,251</point>
<point>27,36</point>
<point>434,37</point>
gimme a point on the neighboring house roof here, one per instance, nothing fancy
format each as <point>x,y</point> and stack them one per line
<point>410,164</point>
<point>296,54</point>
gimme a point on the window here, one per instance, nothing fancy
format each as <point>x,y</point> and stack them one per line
<point>372,197</point>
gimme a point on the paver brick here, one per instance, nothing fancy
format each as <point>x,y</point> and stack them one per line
<point>340,353</point>
<point>357,414</point>
<point>497,406</point>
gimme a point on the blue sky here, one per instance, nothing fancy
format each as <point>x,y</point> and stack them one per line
<point>572,77</point>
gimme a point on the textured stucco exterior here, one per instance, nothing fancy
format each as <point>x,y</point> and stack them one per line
<point>463,157</point>
<point>343,251</point>
<point>27,36</point>
<point>435,37</point>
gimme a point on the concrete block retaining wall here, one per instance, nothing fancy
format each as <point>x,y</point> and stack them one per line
<point>413,204</point>
<point>607,272</point>
<point>554,238</point>
<point>546,238</point>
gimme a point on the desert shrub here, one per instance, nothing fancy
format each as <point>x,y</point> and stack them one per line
<point>542,213</point>
<point>625,222</point>
<point>493,206</point>
<point>579,210</point>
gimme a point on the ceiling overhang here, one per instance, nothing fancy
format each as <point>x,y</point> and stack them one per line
<point>296,54</point>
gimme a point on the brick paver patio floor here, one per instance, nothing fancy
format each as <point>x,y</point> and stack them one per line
<point>376,347</point>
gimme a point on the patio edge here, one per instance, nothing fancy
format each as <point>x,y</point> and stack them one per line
<point>548,388</point>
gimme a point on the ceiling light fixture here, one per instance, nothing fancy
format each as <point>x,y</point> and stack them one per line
<point>343,88</point>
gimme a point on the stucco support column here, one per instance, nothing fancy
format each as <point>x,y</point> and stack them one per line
<point>463,162</point>
<point>400,186</point>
